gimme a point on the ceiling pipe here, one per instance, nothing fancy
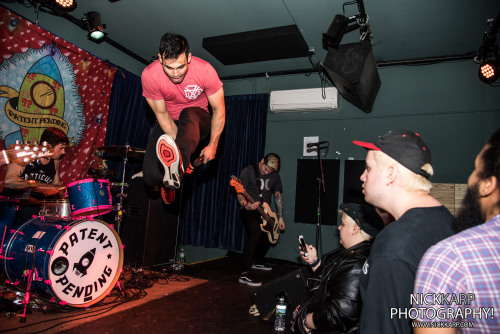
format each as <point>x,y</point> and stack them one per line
<point>418,61</point>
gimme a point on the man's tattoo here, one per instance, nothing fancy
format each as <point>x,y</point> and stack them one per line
<point>278,200</point>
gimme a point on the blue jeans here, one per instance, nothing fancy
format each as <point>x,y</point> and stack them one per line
<point>193,133</point>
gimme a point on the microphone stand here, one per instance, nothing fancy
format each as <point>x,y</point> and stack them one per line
<point>321,190</point>
<point>121,195</point>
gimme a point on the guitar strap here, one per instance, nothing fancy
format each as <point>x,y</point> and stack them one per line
<point>257,181</point>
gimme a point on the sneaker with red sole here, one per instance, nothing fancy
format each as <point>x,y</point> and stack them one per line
<point>170,157</point>
<point>167,195</point>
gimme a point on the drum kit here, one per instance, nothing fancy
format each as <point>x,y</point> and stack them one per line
<point>65,253</point>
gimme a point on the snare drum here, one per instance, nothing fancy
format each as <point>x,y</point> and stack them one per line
<point>55,208</point>
<point>75,261</point>
<point>89,198</point>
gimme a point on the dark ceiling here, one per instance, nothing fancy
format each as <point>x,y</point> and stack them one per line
<point>402,29</point>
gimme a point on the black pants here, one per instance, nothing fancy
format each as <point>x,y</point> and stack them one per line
<point>193,128</point>
<point>257,244</point>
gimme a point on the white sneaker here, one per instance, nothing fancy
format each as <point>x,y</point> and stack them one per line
<point>170,157</point>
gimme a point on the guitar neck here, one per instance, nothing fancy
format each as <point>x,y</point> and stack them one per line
<point>259,208</point>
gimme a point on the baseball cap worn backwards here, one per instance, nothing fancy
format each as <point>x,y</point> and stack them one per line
<point>406,147</point>
<point>364,216</point>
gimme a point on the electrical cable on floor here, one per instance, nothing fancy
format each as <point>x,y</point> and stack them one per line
<point>131,285</point>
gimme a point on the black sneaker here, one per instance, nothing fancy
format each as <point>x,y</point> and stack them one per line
<point>262,267</point>
<point>246,278</point>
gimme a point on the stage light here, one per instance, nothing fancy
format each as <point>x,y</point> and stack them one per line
<point>489,71</point>
<point>95,26</point>
<point>488,56</point>
<point>67,5</point>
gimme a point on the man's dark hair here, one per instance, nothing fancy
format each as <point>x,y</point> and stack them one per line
<point>54,136</point>
<point>491,158</point>
<point>172,45</point>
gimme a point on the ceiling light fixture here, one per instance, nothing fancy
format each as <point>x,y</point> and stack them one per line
<point>488,56</point>
<point>95,26</point>
<point>67,5</point>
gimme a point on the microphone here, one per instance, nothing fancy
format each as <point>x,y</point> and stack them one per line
<point>317,144</point>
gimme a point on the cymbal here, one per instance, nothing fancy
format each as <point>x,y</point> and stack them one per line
<point>31,184</point>
<point>122,150</point>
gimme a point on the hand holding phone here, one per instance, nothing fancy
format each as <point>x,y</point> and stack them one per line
<point>303,246</point>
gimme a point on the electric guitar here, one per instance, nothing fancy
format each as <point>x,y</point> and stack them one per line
<point>270,224</point>
<point>23,154</point>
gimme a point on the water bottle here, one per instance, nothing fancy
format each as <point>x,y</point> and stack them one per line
<point>279,321</point>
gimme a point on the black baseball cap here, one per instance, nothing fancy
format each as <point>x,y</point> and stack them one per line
<point>406,147</point>
<point>364,216</point>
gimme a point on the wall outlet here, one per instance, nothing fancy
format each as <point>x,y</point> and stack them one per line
<point>310,152</point>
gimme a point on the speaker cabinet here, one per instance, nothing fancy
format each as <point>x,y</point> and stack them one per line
<point>352,69</point>
<point>149,228</point>
<point>294,284</point>
<point>307,191</point>
<point>353,188</point>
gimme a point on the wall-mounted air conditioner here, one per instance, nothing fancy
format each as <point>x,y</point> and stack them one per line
<point>297,100</point>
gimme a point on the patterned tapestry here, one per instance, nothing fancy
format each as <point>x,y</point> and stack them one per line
<point>47,82</point>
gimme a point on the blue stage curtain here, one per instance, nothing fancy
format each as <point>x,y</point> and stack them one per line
<point>210,212</point>
<point>129,121</point>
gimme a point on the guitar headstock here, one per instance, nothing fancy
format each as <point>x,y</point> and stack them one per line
<point>23,154</point>
<point>236,183</point>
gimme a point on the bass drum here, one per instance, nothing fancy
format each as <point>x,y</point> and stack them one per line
<point>75,262</point>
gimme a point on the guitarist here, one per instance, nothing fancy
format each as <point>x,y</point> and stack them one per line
<point>260,181</point>
<point>42,170</point>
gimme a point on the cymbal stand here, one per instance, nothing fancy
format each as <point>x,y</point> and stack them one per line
<point>122,194</point>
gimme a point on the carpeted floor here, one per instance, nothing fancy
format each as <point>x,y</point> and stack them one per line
<point>204,298</point>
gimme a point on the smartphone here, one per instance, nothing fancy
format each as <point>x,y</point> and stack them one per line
<point>303,245</point>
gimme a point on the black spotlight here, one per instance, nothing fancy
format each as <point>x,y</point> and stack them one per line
<point>95,26</point>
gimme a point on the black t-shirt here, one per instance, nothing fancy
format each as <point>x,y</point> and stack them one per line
<point>389,273</point>
<point>269,184</point>
<point>40,173</point>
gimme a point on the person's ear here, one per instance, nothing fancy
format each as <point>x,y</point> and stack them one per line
<point>356,229</point>
<point>488,186</point>
<point>392,173</point>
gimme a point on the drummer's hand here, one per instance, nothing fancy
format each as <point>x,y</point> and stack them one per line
<point>47,191</point>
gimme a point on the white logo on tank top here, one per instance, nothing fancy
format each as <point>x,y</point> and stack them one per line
<point>192,91</point>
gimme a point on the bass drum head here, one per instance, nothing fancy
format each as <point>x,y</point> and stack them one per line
<point>76,262</point>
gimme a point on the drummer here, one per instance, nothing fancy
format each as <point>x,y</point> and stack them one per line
<point>43,170</point>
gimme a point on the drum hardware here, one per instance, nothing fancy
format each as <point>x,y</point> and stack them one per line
<point>118,184</point>
<point>125,152</point>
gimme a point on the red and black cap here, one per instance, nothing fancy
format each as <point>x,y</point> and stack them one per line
<point>406,147</point>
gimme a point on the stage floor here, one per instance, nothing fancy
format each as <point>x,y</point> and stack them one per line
<point>202,298</point>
